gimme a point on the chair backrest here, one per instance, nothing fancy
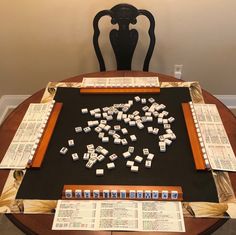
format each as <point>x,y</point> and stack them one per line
<point>124,40</point>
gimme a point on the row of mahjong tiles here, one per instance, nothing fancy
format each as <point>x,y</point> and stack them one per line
<point>121,194</point>
<point>120,112</point>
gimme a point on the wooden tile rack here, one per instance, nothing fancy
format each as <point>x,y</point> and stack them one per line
<point>193,137</point>
<point>128,90</point>
<point>45,139</point>
<point>127,188</point>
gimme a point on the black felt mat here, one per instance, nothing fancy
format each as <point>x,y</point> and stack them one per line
<point>175,167</point>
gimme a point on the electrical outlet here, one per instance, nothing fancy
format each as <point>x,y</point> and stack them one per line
<point>178,71</point>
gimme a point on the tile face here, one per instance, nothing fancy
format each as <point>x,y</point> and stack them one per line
<point>63,150</point>
<point>113,157</point>
<point>85,110</point>
<point>131,149</point>
<point>148,194</point>
<point>155,194</point>
<point>114,194</point>
<point>140,194</point>
<point>105,139</point>
<point>124,142</point>
<point>174,195</point>
<point>99,172</point>
<point>87,194</point>
<point>86,156</point>
<point>148,164</point>
<point>78,193</point>
<point>164,194</point>
<point>145,151</point>
<point>129,163</point>
<point>126,154</point>
<point>96,194</point>
<point>117,141</point>
<point>143,101</point>
<point>106,194</point>
<point>100,157</point>
<point>134,168</point>
<point>150,129</point>
<point>150,156</point>
<point>138,159</point>
<point>132,194</point>
<point>78,129</point>
<point>68,193</point>
<point>75,156</point>
<point>133,138</point>
<point>110,165</point>
<point>122,194</point>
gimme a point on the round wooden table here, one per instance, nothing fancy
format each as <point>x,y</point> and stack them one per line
<point>41,224</point>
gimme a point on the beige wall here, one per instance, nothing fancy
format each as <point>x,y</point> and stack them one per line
<point>49,40</point>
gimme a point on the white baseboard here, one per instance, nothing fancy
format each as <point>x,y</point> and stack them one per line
<point>228,100</point>
<point>10,101</point>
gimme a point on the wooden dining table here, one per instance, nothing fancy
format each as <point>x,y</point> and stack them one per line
<point>42,223</point>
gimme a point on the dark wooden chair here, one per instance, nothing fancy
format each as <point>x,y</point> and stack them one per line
<point>124,40</point>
